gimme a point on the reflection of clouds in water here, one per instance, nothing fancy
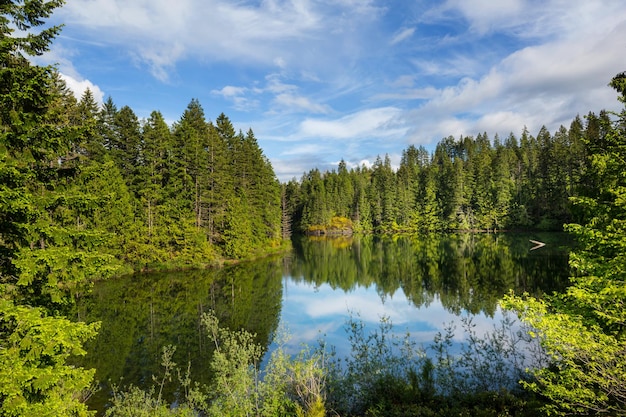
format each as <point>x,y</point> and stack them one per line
<point>310,312</point>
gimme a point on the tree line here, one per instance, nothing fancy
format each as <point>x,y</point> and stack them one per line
<point>469,183</point>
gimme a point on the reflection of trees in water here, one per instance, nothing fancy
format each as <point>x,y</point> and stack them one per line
<point>465,271</point>
<point>141,314</point>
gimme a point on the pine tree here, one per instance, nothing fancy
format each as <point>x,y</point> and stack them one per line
<point>153,175</point>
<point>91,144</point>
<point>189,177</point>
<point>191,135</point>
<point>407,187</point>
<point>220,182</point>
<point>107,128</point>
<point>125,145</point>
<point>382,194</point>
<point>448,179</point>
<point>43,263</point>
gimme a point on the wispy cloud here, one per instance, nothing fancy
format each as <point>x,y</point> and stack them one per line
<point>285,98</point>
<point>162,32</point>
<point>299,103</point>
<point>378,122</point>
<point>238,96</point>
<point>402,35</point>
<point>485,15</point>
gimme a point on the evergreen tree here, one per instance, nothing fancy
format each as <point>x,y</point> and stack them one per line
<point>88,111</point>
<point>264,191</point>
<point>503,185</point>
<point>448,178</point>
<point>220,181</point>
<point>382,194</point>
<point>428,209</point>
<point>107,126</point>
<point>153,176</point>
<point>191,135</point>
<point>257,194</point>
<point>42,263</point>
<point>186,201</point>
<point>125,145</point>
<point>315,212</point>
<point>407,188</point>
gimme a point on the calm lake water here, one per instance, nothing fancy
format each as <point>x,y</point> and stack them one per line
<point>421,283</point>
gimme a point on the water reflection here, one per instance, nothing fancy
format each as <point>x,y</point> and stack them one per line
<point>467,272</point>
<point>419,282</point>
<point>141,314</point>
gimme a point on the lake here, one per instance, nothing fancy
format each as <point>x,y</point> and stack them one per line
<point>420,283</point>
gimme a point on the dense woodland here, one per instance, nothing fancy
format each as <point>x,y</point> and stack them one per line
<point>469,183</point>
<point>189,194</point>
<point>88,192</point>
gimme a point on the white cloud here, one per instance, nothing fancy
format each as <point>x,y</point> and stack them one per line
<point>409,94</point>
<point>78,87</point>
<point>239,96</point>
<point>271,32</point>
<point>299,103</point>
<point>62,58</point>
<point>484,14</point>
<point>377,122</point>
<point>305,149</point>
<point>544,84</point>
<point>230,91</point>
<point>402,35</point>
<point>285,97</point>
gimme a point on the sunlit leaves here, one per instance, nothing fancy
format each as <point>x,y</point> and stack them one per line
<point>36,379</point>
<point>584,330</point>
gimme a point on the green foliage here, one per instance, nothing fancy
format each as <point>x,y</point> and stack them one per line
<point>387,374</point>
<point>235,361</point>
<point>294,384</point>
<point>583,330</point>
<point>287,387</point>
<point>586,373</point>
<point>36,379</point>
<point>138,403</point>
<point>50,256</point>
<point>25,15</point>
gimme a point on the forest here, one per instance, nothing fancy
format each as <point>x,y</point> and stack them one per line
<point>88,192</point>
<point>467,184</point>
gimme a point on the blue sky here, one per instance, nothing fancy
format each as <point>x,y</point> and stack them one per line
<point>322,80</point>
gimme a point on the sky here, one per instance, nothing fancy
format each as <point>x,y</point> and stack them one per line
<point>319,81</point>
